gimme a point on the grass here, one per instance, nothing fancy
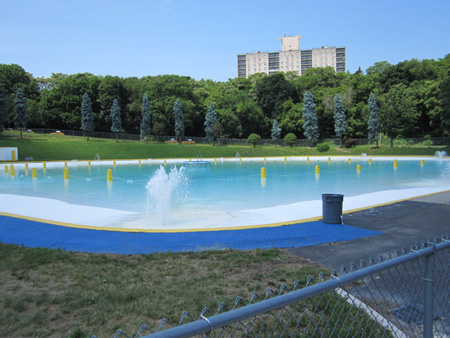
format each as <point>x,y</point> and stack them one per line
<point>42,147</point>
<point>54,293</point>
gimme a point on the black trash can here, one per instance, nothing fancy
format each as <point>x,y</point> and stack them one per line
<point>332,208</point>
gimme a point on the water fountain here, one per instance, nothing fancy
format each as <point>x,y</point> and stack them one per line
<point>160,188</point>
<point>440,154</point>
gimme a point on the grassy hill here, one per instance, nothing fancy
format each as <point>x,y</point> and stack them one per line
<point>60,147</point>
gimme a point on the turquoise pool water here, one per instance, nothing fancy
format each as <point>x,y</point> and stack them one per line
<point>228,185</point>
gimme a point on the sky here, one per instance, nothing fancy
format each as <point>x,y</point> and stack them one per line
<point>202,38</point>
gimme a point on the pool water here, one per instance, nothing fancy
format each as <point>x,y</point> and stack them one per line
<point>225,188</point>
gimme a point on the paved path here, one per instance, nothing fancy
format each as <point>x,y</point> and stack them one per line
<point>402,224</point>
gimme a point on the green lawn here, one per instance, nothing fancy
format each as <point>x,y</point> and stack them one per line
<point>60,147</point>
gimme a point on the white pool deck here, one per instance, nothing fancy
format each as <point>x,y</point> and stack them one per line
<point>55,211</point>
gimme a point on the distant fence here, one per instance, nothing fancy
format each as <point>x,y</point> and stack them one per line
<point>434,141</point>
<point>401,295</point>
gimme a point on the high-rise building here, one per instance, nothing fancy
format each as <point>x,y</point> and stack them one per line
<point>291,58</point>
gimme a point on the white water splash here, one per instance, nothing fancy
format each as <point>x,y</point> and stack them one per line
<point>446,171</point>
<point>160,189</point>
<point>440,154</point>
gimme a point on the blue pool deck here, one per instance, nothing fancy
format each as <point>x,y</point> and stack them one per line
<point>29,233</point>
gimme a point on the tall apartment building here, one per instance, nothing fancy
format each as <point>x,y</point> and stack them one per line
<point>291,58</point>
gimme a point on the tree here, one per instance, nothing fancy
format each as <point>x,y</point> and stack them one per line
<point>276,131</point>
<point>179,124</point>
<point>116,120</point>
<point>399,113</point>
<point>310,124</point>
<point>254,139</point>
<point>340,125</point>
<point>210,122</point>
<point>20,111</point>
<point>218,131</point>
<point>272,91</point>
<point>87,117</point>
<point>374,124</point>
<point>290,139</point>
<point>146,119</point>
<point>3,108</point>
<point>445,102</point>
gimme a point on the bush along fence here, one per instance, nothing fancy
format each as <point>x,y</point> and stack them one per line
<point>435,141</point>
<point>404,294</point>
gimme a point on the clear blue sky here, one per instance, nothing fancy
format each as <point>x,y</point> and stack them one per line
<point>201,38</point>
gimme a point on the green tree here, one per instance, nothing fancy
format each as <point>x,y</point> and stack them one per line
<point>20,111</point>
<point>445,103</point>
<point>116,120</point>
<point>290,139</point>
<point>272,91</point>
<point>210,122</point>
<point>3,108</point>
<point>310,124</point>
<point>340,124</point>
<point>254,139</point>
<point>374,123</point>
<point>179,123</point>
<point>276,131</point>
<point>218,131</point>
<point>87,117</point>
<point>146,119</point>
<point>399,114</point>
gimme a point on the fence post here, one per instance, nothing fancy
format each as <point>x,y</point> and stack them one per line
<point>428,278</point>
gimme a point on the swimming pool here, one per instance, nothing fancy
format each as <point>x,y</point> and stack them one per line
<point>221,193</point>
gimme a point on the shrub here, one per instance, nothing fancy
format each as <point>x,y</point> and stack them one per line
<point>351,143</point>
<point>254,138</point>
<point>290,139</point>
<point>322,147</point>
<point>427,143</point>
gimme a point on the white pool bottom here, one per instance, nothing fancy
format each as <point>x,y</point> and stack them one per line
<point>61,212</point>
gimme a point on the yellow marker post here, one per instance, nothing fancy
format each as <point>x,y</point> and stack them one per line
<point>66,173</point>
<point>89,165</point>
<point>139,163</point>
<point>6,170</point>
<point>13,155</point>
<point>109,175</point>
<point>349,160</point>
<point>263,177</point>
<point>370,161</point>
<point>114,164</point>
<point>26,169</point>
<point>44,166</point>
<point>240,160</point>
<point>65,164</point>
<point>33,172</point>
<point>422,163</point>
<point>215,161</point>
<point>11,170</point>
<point>264,161</point>
<point>329,160</point>
<point>307,160</point>
<point>317,170</point>
<point>285,160</point>
<point>164,163</point>
<point>395,164</point>
<point>358,167</point>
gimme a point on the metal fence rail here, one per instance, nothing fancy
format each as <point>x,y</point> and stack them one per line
<point>405,294</point>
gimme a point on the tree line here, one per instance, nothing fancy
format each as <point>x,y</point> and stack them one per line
<point>409,99</point>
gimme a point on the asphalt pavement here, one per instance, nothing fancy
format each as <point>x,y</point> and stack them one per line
<point>403,224</point>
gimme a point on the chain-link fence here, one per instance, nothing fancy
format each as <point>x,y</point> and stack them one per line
<point>435,141</point>
<point>404,294</point>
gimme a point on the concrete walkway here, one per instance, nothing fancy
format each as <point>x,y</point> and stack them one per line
<point>403,224</point>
